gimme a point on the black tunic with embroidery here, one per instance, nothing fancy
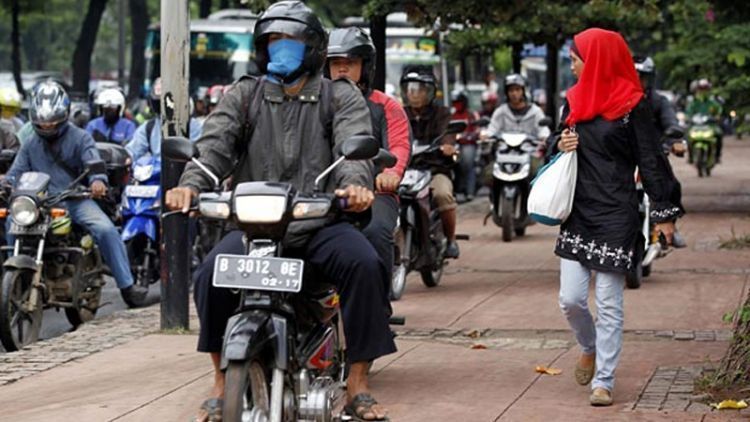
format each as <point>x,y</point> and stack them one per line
<point>603,228</point>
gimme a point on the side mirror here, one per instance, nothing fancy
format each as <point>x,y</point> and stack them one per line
<point>7,155</point>
<point>384,159</point>
<point>456,126</point>
<point>96,167</point>
<point>673,132</point>
<point>483,121</point>
<point>177,148</point>
<point>359,147</point>
<point>546,121</point>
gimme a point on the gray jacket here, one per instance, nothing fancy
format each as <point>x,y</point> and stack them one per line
<point>503,120</point>
<point>288,143</point>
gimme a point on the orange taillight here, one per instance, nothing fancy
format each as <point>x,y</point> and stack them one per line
<point>57,212</point>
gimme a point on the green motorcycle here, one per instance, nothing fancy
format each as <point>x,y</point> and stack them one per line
<point>703,136</point>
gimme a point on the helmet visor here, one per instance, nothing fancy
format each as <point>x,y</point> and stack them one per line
<point>287,27</point>
<point>418,94</point>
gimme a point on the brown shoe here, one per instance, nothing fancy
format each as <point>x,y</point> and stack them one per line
<point>584,374</point>
<point>600,397</point>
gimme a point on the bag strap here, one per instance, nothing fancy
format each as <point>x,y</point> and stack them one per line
<point>150,128</point>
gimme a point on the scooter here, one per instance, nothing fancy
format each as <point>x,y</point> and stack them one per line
<point>702,137</point>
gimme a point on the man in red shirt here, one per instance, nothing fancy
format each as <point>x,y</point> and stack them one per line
<point>351,55</point>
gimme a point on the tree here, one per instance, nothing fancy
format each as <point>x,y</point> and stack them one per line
<point>205,8</point>
<point>15,40</point>
<point>139,21</point>
<point>85,45</point>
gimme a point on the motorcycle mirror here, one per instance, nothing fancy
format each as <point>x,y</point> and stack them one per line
<point>456,126</point>
<point>384,159</point>
<point>673,132</point>
<point>546,121</point>
<point>7,155</point>
<point>360,147</point>
<point>178,148</point>
<point>96,167</point>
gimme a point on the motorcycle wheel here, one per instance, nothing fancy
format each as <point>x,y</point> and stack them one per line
<point>646,271</point>
<point>246,392</point>
<point>18,328</point>
<point>135,248</point>
<point>398,276</point>
<point>520,231</point>
<point>506,218</point>
<point>431,278</point>
<point>634,278</point>
<point>700,162</point>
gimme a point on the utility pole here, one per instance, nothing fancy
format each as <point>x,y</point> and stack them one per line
<point>175,115</point>
<point>121,43</point>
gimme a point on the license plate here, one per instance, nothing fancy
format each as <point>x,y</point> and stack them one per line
<point>512,158</point>
<point>149,191</point>
<point>266,273</point>
<point>33,230</point>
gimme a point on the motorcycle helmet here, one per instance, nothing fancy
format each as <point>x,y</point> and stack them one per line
<point>154,97</point>
<point>10,103</point>
<point>416,80</point>
<point>111,104</point>
<point>644,65</point>
<point>215,94</point>
<point>61,226</point>
<point>459,101</point>
<point>703,84</point>
<point>354,43</point>
<point>514,79</point>
<point>49,110</point>
<point>295,19</point>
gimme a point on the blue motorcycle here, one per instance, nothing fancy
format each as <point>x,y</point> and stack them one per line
<point>140,213</point>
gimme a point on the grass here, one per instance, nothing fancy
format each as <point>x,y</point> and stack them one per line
<point>735,242</point>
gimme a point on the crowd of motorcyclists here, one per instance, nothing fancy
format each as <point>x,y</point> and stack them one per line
<point>290,125</point>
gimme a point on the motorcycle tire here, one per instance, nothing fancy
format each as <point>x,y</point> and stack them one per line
<point>646,271</point>
<point>506,218</point>
<point>246,383</point>
<point>520,231</point>
<point>18,328</point>
<point>634,278</point>
<point>700,162</point>
<point>135,248</point>
<point>430,277</point>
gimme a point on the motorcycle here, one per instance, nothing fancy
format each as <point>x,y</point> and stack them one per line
<point>283,349</point>
<point>117,160</point>
<point>53,262</point>
<point>140,213</point>
<point>516,159</point>
<point>702,137</point>
<point>419,240</point>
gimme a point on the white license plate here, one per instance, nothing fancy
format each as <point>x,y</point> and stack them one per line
<point>512,159</point>
<point>149,191</point>
<point>267,273</point>
<point>38,229</point>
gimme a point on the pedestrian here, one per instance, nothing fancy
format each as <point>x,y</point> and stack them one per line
<point>608,122</point>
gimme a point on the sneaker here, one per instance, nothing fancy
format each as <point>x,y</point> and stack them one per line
<point>452,250</point>
<point>134,296</point>
<point>600,397</point>
<point>678,241</point>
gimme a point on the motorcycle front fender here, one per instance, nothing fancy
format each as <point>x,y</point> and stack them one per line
<point>21,262</point>
<point>248,333</point>
<point>140,224</point>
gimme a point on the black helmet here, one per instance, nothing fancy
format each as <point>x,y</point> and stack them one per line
<point>354,43</point>
<point>418,76</point>
<point>49,105</point>
<point>295,19</point>
<point>644,65</point>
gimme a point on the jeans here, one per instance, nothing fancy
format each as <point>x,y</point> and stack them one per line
<point>87,214</point>
<point>339,254</point>
<point>605,336</point>
<point>380,230</point>
<point>467,180</point>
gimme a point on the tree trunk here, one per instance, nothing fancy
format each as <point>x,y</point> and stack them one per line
<point>551,81</point>
<point>733,373</point>
<point>85,45</point>
<point>205,8</point>
<point>377,32</point>
<point>139,28</point>
<point>15,40</point>
<point>516,49</point>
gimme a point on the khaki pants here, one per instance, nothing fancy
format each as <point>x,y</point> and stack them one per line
<point>442,192</point>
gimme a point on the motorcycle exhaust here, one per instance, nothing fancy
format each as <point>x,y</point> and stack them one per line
<point>653,252</point>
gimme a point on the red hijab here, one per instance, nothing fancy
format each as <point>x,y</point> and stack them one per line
<point>609,85</point>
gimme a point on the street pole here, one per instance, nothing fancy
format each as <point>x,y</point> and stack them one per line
<point>175,110</point>
<point>121,43</point>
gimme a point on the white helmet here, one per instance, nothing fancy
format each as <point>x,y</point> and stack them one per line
<point>111,98</point>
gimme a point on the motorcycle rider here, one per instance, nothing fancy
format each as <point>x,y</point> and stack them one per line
<point>147,137</point>
<point>281,112</point>
<point>60,149</point>
<point>705,103</point>
<point>10,107</point>
<point>351,54</point>
<point>428,121</point>
<point>111,126</point>
<point>517,114</point>
<point>489,104</point>
<point>213,96</point>
<point>467,145</point>
<point>664,118</point>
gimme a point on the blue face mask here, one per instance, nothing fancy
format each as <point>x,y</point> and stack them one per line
<point>285,56</point>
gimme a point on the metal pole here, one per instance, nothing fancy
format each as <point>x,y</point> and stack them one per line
<point>175,250</point>
<point>444,71</point>
<point>121,44</point>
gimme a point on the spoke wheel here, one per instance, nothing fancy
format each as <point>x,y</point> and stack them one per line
<point>18,326</point>
<point>246,395</point>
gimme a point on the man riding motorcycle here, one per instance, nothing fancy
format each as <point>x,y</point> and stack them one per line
<point>10,108</point>
<point>664,119</point>
<point>705,103</point>
<point>429,120</point>
<point>111,126</point>
<point>59,149</point>
<point>273,123</point>
<point>466,177</point>
<point>517,115</point>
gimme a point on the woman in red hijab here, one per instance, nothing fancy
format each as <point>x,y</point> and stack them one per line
<point>606,120</point>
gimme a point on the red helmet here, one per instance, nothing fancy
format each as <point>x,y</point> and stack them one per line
<point>215,94</point>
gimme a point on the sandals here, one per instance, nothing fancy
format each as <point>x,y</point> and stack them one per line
<point>212,407</point>
<point>360,406</point>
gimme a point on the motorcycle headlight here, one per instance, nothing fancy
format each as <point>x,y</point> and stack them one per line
<point>260,208</point>
<point>143,173</point>
<point>24,211</point>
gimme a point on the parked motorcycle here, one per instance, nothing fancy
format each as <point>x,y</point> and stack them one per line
<point>419,240</point>
<point>516,159</point>
<point>283,350</point>
<point>54,263</point>
<point>702,137</point>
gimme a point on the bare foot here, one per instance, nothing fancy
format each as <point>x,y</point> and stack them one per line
<point>357,384</point>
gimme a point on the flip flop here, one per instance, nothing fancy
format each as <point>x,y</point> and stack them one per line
<point>363,403</point>
<point>212,407</point>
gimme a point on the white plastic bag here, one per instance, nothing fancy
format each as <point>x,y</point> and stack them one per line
<point>553,189</point>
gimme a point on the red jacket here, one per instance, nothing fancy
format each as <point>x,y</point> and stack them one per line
<point>391,126</point>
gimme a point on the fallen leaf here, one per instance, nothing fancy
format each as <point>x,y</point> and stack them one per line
<point>548,371</point>
<point>478,346</point>
<point>730,404</point>
<point>474,334</point>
